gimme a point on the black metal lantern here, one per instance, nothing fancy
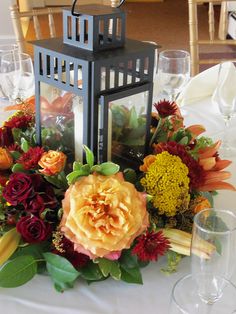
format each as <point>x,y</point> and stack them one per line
<point>95,86</point>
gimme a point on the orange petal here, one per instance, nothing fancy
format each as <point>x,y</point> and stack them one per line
<point>207,163</point>
<point>196,129</point>
<point>220,185</point>
<point>209,151</point>
<point>214,176</point>
<point>221,164</point>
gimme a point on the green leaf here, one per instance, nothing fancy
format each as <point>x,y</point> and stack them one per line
<point>77,165</point>
<point>34,250</point>
<point>133,119</point>
<point>89,156</point>
<point>127,260</point>
<point>91,272</point>
<point>62,286</point>
<point>173,260</point>
<point>131,275</point>
<point>209,197</point>
<point>130,175</point>
<point>109,267</point>
<point>17,168</point>
<point>16,155</point>
<point>184,140</point>
<point>108,168</point>
<point>60,268</point>
<point>73,176</point>
<point>96,168</point>
<point>17,272</point>
<point>24,145</point>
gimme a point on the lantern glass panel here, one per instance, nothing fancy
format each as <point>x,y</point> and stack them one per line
<point>62,121</point>
<point>127,129</point>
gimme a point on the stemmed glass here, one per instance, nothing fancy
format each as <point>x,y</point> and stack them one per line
<point>5,49</point>
<point>173,71</point>
<point>224,97</point>
<point>213,257</point>
<point>19,76</point>
<point>213,260</point>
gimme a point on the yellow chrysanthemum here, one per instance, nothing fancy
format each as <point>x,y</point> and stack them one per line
<point>167,181</point>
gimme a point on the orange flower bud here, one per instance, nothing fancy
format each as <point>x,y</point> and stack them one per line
<point>147,161</point>
<point>52,162</point>
<point>6,160</point>
<point>200,203</point>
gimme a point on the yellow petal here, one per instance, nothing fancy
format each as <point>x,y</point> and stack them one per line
<point>8,244</point>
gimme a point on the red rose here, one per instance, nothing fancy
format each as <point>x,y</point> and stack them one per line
<point>33,229</point>
<point>6,137</point>
<point>34,205</point>
<point>18,189</point>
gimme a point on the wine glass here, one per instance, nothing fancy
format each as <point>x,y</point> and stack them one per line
<point>224,97</point>
<point>5,49</point>
<point>213,257</point>
<point>185,299</point>
<point>19,76</point>
<point>173,71</point>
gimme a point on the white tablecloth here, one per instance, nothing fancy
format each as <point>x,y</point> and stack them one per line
<point>111,297</point>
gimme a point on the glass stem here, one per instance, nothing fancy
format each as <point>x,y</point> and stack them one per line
<point>225,139</point>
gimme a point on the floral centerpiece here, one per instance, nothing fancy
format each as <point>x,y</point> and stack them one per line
<point>96,221</point>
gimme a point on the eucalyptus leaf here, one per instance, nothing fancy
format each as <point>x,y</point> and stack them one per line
<point>60,269</point>
<point>89,156</point>
<point>184,140</point>
<point>73,176</point>
<point>133,119</point>
<point>17,272</point>
<point>77,165</point>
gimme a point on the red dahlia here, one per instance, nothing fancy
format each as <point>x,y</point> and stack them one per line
<point>166,108</point>
<point>19,121</point>
<point>150,245</point>
<point>31,158</point>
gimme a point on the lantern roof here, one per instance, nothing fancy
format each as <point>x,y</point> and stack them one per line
<point>56,45</point>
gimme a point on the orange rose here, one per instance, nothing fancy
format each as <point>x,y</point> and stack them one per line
<point>103,215</point>
<point>52,162</point>
<point>147,161</point>
<point>6,160</point>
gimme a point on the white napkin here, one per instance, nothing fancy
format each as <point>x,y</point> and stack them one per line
<point>199,87</point>
<point>225,92</point>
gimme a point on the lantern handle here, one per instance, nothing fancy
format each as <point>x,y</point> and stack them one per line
<point>73,9</point>
<point>121,3</point>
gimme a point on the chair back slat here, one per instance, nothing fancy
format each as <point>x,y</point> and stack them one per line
<point>219,39</point>
<point>51,24</point>
<point>37,28</point>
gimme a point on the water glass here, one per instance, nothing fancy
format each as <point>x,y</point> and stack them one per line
<point>213,258</point>
<point>19,76</point>
<point>173,71</point>
<point>185,299</point>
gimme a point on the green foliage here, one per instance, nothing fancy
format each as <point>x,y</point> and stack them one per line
<point>89,156</point>
<point>130,175</point>
<point>173,260</point>
<point>61,270</point>
<point>131,275</point>
<point>17,168</point>
<point>18,271</point>
<point>91,272</point>
<point>24,145</point>
<point>108,168</point>
<point>109,267</point>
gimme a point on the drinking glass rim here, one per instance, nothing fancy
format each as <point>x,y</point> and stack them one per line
<point>23,54</point>
<point>187,54</point>
<point>184,278</point>
<point>227,211</point>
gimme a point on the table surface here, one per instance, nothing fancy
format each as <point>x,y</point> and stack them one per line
<point>39,297</point>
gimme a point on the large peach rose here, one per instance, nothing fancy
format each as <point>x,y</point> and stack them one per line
<point>52,162</point>
<point>103,215</point>
<point>6,160</point>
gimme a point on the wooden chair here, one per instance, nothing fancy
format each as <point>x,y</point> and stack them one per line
<point>196,42</point>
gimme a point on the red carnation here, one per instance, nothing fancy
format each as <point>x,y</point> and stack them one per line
<point>166,108</point>
<point>196,171</point>
<point>150,245</point>
<point>33,229</point>
<point>18,189</point>
<point>30,159</point>
<point>19,121</point>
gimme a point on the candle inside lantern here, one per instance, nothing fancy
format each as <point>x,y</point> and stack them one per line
<point>78,127</point>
